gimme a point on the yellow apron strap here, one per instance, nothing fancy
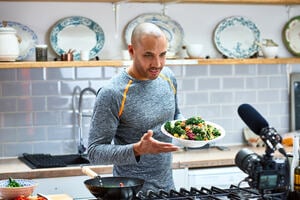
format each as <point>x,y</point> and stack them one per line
<point>170,82</point>
<point>124,97</point>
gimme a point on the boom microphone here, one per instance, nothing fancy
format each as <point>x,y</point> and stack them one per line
<point>260,126</point>
<point>252,118</point>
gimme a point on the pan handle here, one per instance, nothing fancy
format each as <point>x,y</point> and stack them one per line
<point>88,171</point>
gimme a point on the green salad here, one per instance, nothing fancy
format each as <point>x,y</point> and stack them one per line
<point>194,128</point>
<point>13,183</point>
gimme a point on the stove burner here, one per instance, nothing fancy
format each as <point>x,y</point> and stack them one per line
<point>203,193</point>
<point>232,193</point>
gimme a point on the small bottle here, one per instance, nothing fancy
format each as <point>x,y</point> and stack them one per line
<point>297,178</point>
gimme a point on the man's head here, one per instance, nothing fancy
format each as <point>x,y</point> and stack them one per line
<point>148,50</point>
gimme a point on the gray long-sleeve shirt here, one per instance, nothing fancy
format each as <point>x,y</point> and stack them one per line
<point>125,109</point>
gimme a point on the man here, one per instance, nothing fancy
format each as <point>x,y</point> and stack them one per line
<point>130,110</point>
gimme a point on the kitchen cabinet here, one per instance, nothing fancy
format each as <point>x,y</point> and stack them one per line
<point>181,178</point>
<point>122,63</point>
<point>73,186</point>
<point>221,177</point>
<point>179,1</point>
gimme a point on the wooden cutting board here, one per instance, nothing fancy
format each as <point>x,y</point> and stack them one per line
<point>55,197</point>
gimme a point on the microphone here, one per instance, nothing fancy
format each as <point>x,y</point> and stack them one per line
<point>261,127</point>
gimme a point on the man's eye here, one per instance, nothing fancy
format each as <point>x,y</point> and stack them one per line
<point>163,54</point>
<point>148,55</point>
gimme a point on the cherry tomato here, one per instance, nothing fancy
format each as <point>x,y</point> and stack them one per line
<point>22,197</point>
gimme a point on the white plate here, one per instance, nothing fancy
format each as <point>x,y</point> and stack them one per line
<point>77,33</point>
<point>236,37</point>
<point>27,36</point>
<point>195,143</point>
<point>171,28</point>
<point>290,35</point>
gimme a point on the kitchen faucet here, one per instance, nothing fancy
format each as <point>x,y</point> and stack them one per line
<point>80,114</point>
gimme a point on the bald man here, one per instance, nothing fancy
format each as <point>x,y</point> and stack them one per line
<point>130,110</point>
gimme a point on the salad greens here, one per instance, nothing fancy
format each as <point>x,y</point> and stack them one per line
<point>13,183</point>
<point>194,128</point>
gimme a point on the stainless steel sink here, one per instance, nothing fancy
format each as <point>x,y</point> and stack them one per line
<point>47,161</point>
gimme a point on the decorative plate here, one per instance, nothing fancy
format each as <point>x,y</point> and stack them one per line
<point>290,35</point>
<point>171,28</point>
<point>75,34</point>
<point>27,37</point>
<point>195,143</point>
<point>236,37</point>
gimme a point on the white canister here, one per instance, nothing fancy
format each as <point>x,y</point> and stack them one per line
<point>9,44</point>
<point>85,55</point>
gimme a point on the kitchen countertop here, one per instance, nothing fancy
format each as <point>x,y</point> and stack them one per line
<point>191,158</point>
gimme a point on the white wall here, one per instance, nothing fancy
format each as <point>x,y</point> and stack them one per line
<point>197,20</point>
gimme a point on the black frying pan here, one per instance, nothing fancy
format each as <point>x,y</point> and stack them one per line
<point>112,187</point>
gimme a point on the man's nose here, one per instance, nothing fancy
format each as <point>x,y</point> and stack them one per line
<point>156,61</point>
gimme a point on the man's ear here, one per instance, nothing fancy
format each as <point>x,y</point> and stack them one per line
<point>130,50</point>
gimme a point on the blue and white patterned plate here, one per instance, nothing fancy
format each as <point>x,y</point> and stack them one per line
<point>236,37</point>
<point>23,182</point>
<point>77,33</point>
<point>28,39</point>
<point>171,28</point>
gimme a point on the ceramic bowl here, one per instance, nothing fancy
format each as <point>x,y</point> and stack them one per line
<point>270,51</point>
<point>194,50</point>
<point>26,189</point>
<point>194,143</point>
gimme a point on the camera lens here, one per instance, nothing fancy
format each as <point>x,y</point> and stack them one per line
<point>246,160</point>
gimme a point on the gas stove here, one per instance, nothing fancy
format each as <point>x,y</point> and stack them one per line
<point>213,193</point>
<point>203,193</point>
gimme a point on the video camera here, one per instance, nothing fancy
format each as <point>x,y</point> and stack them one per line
<point>265,173</point>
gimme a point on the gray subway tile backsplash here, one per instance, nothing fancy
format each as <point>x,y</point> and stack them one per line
<point>256,82</point>
<point>45,88</point>
<point>60,74</point>
<point>29,74</point>
<point>8,135</point>
<point>8,75</point>
<point>245,70</point>
<point>17,149</point>
<point>232,83</point>
<point>212,83</point>
<point>195,71</point>
<point>37,116</point>
<point>47,118</point>
<point>31,134</point>
<point>59,103</point>
<point>268,95</point>
<point>89,73</point>
<point>221,70</point>
<point>224,97</point>
<point>8,104</point>
<point>30,103</point>
<point>17,88</point>
<point>16,119</point>
<point>60,133</point>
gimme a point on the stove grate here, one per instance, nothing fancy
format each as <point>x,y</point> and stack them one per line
<point>214,193</point>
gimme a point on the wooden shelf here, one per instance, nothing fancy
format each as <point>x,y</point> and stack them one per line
<point>122,63</point>
<point>282,2</point>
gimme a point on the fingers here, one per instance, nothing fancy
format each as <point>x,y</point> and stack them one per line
<point>149,145</point>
